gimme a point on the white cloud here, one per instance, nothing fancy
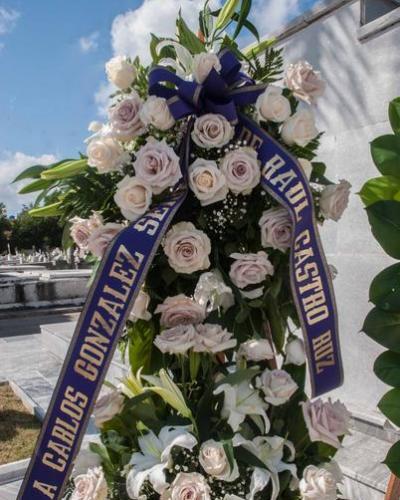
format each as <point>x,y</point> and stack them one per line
<point>12,164</point>
<point>273,14</point>
<point>89,43</point>
<point>130,32</point>
<point>8,20</point>
<point>102,98</point>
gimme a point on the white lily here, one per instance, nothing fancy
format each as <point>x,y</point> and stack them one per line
<point>270,451</point>
<point>132,385</point>
<point>239,401</point>
<point>155,457</point>
<point>184,63</point>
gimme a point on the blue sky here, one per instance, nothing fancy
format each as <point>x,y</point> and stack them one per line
<point>52,56</point>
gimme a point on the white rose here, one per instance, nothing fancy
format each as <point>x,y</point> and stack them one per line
<point>157,165</point>
<point>155,111</point>
<point>318,484</point>
<point>277,385</point>
<point>242,170</point>
<point>334,200</point>
<point>304,81</point>
<point>273,106</point>
<point>140,307</point>
<point>212,293</point>
<point>102,237</point>
<point>213,459</point>
<point>212,131</point>
<point>176,340</point>
<point>106,154</point>
<point>250,268</point>
<point>213,338</point>
<point>180,310</point>
<point>256,350</point>
<point>133,197</point>
<point>307,167</point>
<point>187,248</point>
<point>295,352</point>
<point>300,128</point>
<point>107,406</point>
<point>121,72</point>
<point>203,63</point>
<point>90,486</point>
<point>207,182</point>
<point>276,228</point>
<point>189,486</point>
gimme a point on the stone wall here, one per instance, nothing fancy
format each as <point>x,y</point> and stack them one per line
<point>362,76</point>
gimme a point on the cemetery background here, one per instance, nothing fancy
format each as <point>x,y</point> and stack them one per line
<point>352,43</point>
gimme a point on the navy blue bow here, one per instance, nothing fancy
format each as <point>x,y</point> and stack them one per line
<point>221,92</point>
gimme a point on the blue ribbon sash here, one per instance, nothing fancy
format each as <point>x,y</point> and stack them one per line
<point>128,258</point>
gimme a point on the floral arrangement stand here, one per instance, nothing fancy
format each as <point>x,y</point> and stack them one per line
<point>214,405</point>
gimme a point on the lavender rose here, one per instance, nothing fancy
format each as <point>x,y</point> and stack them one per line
<point>121,72</point>
<point>176,340</point>
<point>334,200</point>
<point>304,81</point>
<point>187,248</point>
<point>327,421</point>
<point>256,350</point>
<point>207,182</point>
<point>133,196</point>
<point>277,385</point>
<point>300,128</point>
<point>155,111</point>
<point>276,228</point>
<point>242,170</point>
<point>213,338</point>
<point>81,229</point>
<point>250,268</point>
<point>102,237</point>
<point>273,106</point>
<point>90,486</point>
<point>125,118</point>
<point>212,131</point>
<point>157,164</point>
<point>180,310</point>
<point>107,406</point>
<point>189,486</point>
<point>106,154</point>
<point>203,63</point>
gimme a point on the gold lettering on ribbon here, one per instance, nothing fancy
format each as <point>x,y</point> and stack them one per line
<point>46,489</point>
<point>323,351</point>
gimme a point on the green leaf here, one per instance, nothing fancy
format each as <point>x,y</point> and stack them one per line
<point>66,240</point>
<point>384,328</point>
<point>52,210</point>
<point>30,173</point>
<point>187,38</point>
<point>239,376</point>
<point>248,458</point>
<point>387,368</point>
<point>65,170</point>
<point>194,364</point>
<point>141,335</point>
<point>385,151</point>
<point>226,13</point>
<point>392,459</point>
<point>384,291</point>
<point>34,186</point>
<point>380,188</point>
<point>394,115</point>
<point>390,405</point>
<point>384,217</point>
<point>244,12</point>
<point>229,451</point>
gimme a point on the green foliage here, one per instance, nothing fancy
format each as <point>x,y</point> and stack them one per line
<point>390,405</point>
<point>385,152</point>
<point>226,13</point>
<point>384,217</point>
<point>380,188</point>
<point>269,67</point>
<point>384,328</point>
<point>385,289</point>
<point>394,115</point>
<point>140,343</point>
<point>387,368</point>
<point>187,38</point>
<point>392,459</point>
